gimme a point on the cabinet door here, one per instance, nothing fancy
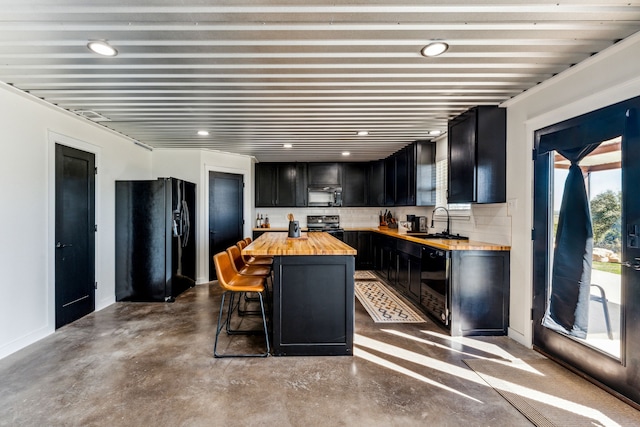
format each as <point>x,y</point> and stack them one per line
<point>390,181</point>
<point>301,184</point>
<point>403,272</point>
<point>413,281</point>
<point>411,174</point>
<point>462,158</point>
<point>265,188</point>
<point>402,178</point>
<point>351,238</point>
<point>376,183</point>
<point>390,260</point>
<point>377,253</point>
<point>286,185</point>
<point>491,181</point>
<point>324,174</point>
<point>365,252</point>
<point>354,180</point>
<point>425,173</point>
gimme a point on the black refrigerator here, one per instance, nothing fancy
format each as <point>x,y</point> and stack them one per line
<point>155,239</point>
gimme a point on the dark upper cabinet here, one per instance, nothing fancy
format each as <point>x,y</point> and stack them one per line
<point>355,186</point>
<point>301,184</point>
<point>405,176</point>
<point>265,176</point>
<point>280,184</point>
<point>376,183</point>
<point>286,185</point>
<point>425,152</point>
<point>324,174</point>
<point>477,156</point>
<point>389,181</point>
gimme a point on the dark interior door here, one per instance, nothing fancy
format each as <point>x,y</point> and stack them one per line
<point>226,192</point>
<point>75,234</point>
<point>619,374</point>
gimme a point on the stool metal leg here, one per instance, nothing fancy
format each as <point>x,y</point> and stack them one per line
<point>230,331</point>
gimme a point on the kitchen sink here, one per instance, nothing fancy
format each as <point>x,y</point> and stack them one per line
<point>437,236</point>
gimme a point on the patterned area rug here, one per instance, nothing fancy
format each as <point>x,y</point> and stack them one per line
<point>365,275</point>
<point>383,306</point>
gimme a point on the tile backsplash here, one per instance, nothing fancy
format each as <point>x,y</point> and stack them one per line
<point>485,223</point>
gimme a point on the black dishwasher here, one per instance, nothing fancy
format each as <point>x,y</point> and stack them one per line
<point>435,296</point>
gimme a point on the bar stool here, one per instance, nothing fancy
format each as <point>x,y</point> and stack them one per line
<point>233,283</point>
<point>248,270</point>
<point>253,260</point>
<point>244,269</point>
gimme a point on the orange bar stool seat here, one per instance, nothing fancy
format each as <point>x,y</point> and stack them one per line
<point>244,269</point>
<point>250,260</point>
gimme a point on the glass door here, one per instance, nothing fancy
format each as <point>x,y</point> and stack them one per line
<point>586,240</point>
<point>601,171</point>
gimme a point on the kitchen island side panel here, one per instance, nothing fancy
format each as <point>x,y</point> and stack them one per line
<point>313,311</point>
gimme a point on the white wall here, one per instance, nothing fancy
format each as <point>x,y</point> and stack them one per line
<point>29,129</point>
<point>602,80</point>
<point>194,166</point>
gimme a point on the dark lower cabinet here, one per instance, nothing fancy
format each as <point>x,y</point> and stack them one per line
<point>313,305</point>
<point>362,242</point>
<point>257,233</point>
<point>466,292</point>
<point>479,293</point>
<point>364,260</point>
<point>409,256</point>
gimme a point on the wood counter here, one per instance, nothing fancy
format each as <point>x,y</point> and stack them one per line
<point>446,244</point>
<point>314,243</point>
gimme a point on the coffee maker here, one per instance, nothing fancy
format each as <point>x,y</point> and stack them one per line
<point>420,224</point>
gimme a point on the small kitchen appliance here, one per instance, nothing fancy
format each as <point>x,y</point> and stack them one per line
<point>420,224</point>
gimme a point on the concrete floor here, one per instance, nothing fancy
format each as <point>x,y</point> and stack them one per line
<point>139,364</point>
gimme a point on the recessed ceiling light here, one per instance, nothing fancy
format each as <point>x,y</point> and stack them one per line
<point>345,153</point>
<point>434,49</point>
<point>363,133</point>
<point>435,132</point>
<point>288,145</point>
<point>203,132</point>
<point>101,47</point>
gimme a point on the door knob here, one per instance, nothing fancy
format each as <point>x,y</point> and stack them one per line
<point>635,265</point>
<point>60,245</point>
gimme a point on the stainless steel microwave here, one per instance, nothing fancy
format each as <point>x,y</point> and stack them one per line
<point>325,196</point>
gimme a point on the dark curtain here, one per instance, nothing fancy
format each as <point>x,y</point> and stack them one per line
<point>568,306</point>
<point>571,276</point>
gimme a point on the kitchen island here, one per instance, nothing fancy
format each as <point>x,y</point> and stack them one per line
<point>313,293</point>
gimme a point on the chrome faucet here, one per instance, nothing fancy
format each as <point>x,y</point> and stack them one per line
<point>433,216</point>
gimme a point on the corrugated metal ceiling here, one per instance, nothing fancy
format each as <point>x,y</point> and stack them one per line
<point>259,74</point>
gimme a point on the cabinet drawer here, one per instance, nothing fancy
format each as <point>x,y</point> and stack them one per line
<point>412,249</point>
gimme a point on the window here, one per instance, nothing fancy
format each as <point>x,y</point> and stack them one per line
<point>441,191</point>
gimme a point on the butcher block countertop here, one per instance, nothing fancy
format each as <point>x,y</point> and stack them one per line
<point>277,243</point>
<point>446,244</point>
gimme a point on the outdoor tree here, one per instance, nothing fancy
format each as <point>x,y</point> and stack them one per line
<point>605,216</point>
